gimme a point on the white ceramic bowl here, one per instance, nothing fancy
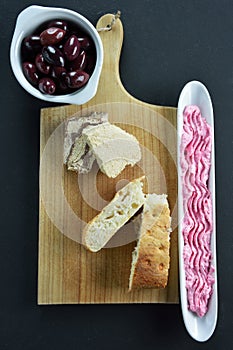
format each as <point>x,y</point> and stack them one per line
<point>29,20</point>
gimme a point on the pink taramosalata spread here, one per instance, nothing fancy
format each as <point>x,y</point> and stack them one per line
<point>197,221</point>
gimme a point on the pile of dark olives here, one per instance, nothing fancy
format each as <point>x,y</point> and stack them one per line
<point>58,58</point>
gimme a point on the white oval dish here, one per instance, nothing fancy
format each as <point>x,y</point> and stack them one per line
<point>30,19</point>
<point>201,329</point>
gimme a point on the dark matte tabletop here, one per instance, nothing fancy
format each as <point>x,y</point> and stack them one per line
<point>166,44</point>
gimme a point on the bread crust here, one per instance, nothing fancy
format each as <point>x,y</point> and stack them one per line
<point>151,259</point>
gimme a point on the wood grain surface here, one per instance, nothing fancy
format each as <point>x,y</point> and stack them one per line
<point>67,273</point>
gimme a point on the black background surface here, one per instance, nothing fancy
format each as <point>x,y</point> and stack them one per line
<point>166,44</point>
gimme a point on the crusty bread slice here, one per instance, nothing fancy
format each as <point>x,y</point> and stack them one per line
<point>123,206</point>
<point>113,147</point>
<point>150,258</point>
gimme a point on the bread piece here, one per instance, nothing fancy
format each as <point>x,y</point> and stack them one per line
<point>151,259</point>
<point>113,148</point>
<point>81,158</point>
<point>122,207</point>
<point>73,130</point>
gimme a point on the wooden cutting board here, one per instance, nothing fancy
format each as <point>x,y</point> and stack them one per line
<point>67,273</point>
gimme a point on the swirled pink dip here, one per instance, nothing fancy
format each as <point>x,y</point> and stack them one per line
<point>197,221</point>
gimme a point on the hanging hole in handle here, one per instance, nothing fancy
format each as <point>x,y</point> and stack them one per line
<point>110,25</point>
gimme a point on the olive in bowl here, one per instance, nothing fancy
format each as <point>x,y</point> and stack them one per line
<point>57,55</point>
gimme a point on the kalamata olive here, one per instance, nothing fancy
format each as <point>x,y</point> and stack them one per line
<point>56,72</point>
<point>31,46</point>
<point>54,56</point>
<point>76,79</point>
<point>62,84</point>
<point>60,46</point>
<point>71,48</point>
<point>52,36</point>
<point>41,64</point>
<point>85,42</point>
<point>80,62</point>
<point>59,74</point>
<point>58,24</point>
<point>47,86</point>
<point>91,60</point>
<point>30,72</point>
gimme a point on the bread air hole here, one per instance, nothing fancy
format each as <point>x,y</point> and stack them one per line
<point>161,266</point>
<point>125,196</point>
<point>148,262</point>
<point>134,205</point>
<point>109,217</point>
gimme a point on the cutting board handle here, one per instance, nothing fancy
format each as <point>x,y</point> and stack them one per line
<point>110,83</point>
